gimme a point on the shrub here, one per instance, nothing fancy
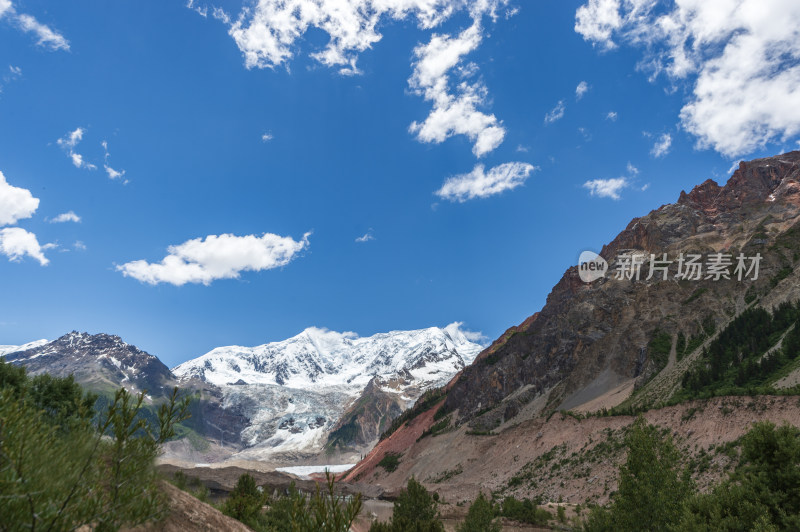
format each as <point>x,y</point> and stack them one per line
<point>390,461</point>
<point>480,517</point>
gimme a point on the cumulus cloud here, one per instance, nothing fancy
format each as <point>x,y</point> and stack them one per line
<point>606,188</point>
<point>456,329</point>
<point>662,145</point>
<point>556,114</point>
<point>16,243</point>
<point>45,35</point>
<point>481,184</point>
<point>203,260</point>
<point>266,137</point>
<point>581,90</point>
<point>366,237</point>
<point>15,203</point>
<point>68,143</point>
<point>740,57</point>
<point>268,34</point>
<point>110,172</point>
<point>612,115</point>
<point>66,217</point>
<point>455,112</point>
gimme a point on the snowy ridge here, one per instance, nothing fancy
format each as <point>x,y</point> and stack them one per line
<point>294,392</point>
<point>318,358</point>
<point>7,349</point>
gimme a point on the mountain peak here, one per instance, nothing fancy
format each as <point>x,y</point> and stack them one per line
<point>321,357</point>
<point>94,358</point>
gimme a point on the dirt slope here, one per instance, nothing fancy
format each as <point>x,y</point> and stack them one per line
<point>187,514</point>
<point>565,457</point>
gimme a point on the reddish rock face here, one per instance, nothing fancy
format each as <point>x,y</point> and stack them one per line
<point>594,336</point>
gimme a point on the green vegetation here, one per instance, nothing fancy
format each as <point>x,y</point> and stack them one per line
<point>524,511</point>
<point>447,474</point>
<point>390,461</point>
<point>480,517</point>
<point>415,510</point>
<point>437,428</point>
<point>651,491</point>
<point>659,348</point>
<point>322,511</point>
<point>65,464</point>
<point>695,295</point>
<point>735,362</point>
<point>762,493</point>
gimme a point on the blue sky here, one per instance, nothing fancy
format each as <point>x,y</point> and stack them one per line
<point>203,174</point>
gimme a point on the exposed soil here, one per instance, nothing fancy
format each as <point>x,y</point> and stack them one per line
<point>187,514</point>
<point>575,460</point>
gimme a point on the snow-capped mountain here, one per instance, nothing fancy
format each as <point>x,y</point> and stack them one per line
<point>295,392</point>
<point>318,358</point>
<point>99,361</point>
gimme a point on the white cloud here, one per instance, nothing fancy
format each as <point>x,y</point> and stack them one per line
<point>47,37</point>
<point>741,58</point>
<point>68,143</point>
<point>16,243</point>
<point>455,328</point>
<point>366,237</point>
<point>662,145</point>
<point>266,137</point>
<point>15,203</point>
<point>481,184</point>
<point>203,260</point>
<point>112,174</point>
<point>79,245</point>
<point>453,113</point>
<point>523,149</point>
<point>556,114</point>
<point>221,15</point>
<point>581,90</point>
<point>597,21</point>
<point>200,10</point>
<point>606,188</point>
<point>14,73</point>
<point>612,115</point>
<point>268,34</point>
<point>66,217</point>
<point>632,170</point>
